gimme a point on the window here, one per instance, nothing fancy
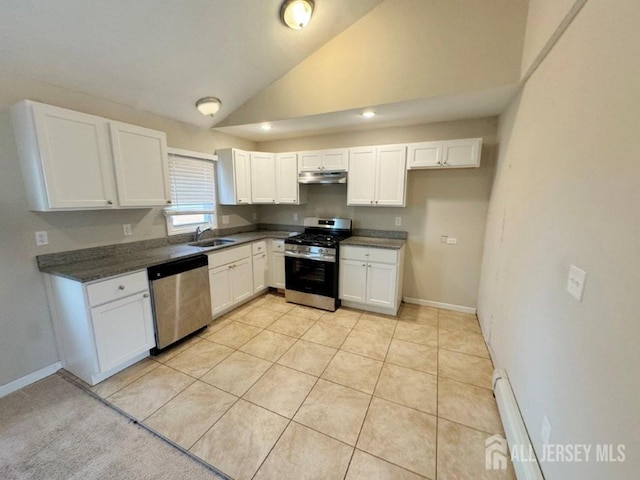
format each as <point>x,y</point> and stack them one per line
<point>193,195</point>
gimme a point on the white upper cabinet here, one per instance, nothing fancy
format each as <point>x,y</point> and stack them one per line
<point>287,186</point>
<point>377,176</point>
<point>263,177</point>
<point>75,161</point>
<point>234,176</point>
<point>141,165</point>
<point>462,153</point>
<point>336,159</point>
<point>65,158</point>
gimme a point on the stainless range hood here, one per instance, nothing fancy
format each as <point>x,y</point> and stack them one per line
<point>322,177</point>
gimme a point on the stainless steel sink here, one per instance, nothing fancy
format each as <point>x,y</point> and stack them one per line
<point>212,242</point>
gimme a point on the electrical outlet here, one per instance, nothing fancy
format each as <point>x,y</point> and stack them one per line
<point>126,228</point>
<point>295,217</point>
<point>545,431</point>
<point>398,221</point>
<point>575,282</point>
<point>225,219</point>
<point>452,241</point>
<point>42,238</point>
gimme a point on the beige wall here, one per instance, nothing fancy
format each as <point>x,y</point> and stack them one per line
<point>567,192</point>
<point>446,202</point>
<point>401,50</point>
<point>547,16</point>
<point>26,337</point>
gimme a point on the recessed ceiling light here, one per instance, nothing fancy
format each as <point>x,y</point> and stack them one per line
<point>296,14</point>
<point>369,114</point>
<point>209,105</point>
<point>266,127</point>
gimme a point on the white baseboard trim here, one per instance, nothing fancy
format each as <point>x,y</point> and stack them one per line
<point>444,306</point>
<point>29,379</point>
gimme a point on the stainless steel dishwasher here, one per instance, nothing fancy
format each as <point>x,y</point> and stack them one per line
<point>180,297</point>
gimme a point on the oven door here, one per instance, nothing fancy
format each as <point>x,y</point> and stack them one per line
<point>318,277</point>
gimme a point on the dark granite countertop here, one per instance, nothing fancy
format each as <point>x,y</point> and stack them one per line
<point>108,266</point>
<point>390,243</point>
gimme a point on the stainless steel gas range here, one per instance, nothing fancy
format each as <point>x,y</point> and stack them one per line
<point>311,262</point>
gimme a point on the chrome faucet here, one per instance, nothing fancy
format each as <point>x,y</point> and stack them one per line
<point>198,234</point>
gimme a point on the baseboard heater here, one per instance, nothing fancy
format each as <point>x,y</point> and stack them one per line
<point>516,432</point>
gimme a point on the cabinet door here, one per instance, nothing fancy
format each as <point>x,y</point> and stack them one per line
<point>220,285</point>
<point>391,176</point>
<point>362,176</point>
<point>336,159</point>
<point>462,153</point>
<point>260,272</point>
<point>141,164</point>
<point>242,176</point>
<point>241,280</point>
<point>424,155</point>
<point>353,280</point>
<point>279,271</point>
<point>75,156</point>
<point>309,161</point>
<point>381,284</point>
<point>287,185</point>
<point>263,178</point>
<point>122,330</point>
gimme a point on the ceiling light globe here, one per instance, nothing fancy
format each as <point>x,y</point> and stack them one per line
<point>368,114</point>
<point>209,105</point>
<point>296,13</point>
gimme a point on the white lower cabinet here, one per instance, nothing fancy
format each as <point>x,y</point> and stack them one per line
<point>371,278</point>
<point>230,278</point>
<point>104,326</point>
<point>276,264</point>
<point>260,266</point>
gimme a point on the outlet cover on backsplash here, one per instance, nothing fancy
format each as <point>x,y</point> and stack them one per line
<point>225,219</point>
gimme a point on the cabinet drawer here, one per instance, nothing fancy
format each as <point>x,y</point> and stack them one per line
<point>230,255</point>
<point>369,254</point>
<point>116,288</point>
<point>259,247</point>
<point>277,246</point>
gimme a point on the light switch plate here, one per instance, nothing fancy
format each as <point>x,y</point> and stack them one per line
<point>42,238</point>
<point>295,217</point>
<point>398,221</point>
<point>225,219</point>
<point>255,216</point>
<point>575,283</point>
<point>126,228</point>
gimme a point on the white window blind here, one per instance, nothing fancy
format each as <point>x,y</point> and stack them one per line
<point>192,183</point>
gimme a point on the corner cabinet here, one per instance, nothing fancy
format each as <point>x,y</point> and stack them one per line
<point>462,153</point>
<point>75,161</point>
<point>377,176</point>
<point>104,326</point>
<point>371,278</point>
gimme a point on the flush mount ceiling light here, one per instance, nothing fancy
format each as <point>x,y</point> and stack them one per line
<point>296,13</point>
<point>369,114</point>
<point>209,105</point>
<point>266,127</point>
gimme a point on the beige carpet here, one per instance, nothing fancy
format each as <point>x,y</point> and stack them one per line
<point>55,430</point>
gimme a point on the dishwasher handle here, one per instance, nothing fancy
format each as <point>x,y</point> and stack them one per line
<point>176,267</point>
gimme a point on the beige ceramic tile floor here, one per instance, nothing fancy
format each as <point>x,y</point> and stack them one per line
<point>276,391</point>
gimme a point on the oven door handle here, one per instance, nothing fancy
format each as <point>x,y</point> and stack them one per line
<point>314,257</point>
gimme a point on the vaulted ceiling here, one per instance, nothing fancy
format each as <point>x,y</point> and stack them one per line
<point>414,61</point>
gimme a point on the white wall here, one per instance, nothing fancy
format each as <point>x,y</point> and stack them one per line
<point>567,192</point>
<point>26,337</point>
<point>446,202</point>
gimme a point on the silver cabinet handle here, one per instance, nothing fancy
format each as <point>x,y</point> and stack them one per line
<point>169,202</point>
<point>366,254</point>
<point>121,287</point>
<point>145,295</point>
<point>109,202</point>
<point>364,264</point>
